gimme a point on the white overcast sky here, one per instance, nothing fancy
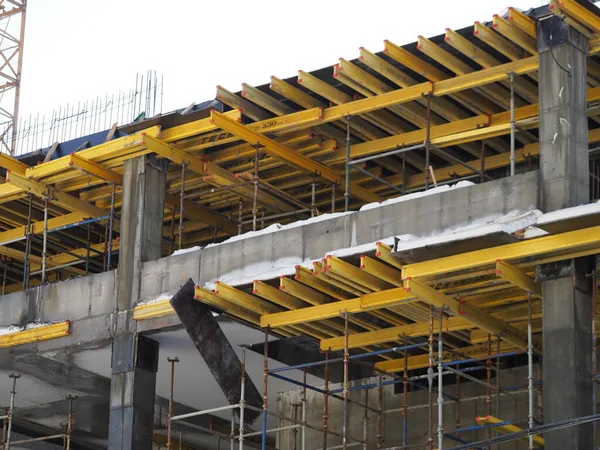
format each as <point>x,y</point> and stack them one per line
<point>80,49</point>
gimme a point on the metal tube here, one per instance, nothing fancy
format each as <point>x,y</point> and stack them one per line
<point>346,392</point>
<point>405,397</point>
<point>482,162</point>
<point>5,269</point>
<point>512,124</point>
<point>181,204</point>
<point>488,366</point>
<point>255,197</point>
<point>427,145</point>
<point>42,438</point>
<point>332,198</point>
<point>87,250</point>
<point>440,385</point>
<point>111,225</point>
<point>366,421</point>
<point>171,361</point>
<point>27,244</point>
<point>313,209</point>
<point>11,409</point>
<point>265,389</point>
<point>304,412</point>
<point>430,379</point>
<point>325,400</point>
<point>205,411</point>
<point>390,153</point>
<point>380,413</point>
<point>69,424</point>
<point>242,399</point>
<point>457,411</point>
<point>347,181</point>
<point>271,430</point>
<point>381,180</point>
<point>462,163</point>
<point>240,215</point>
<point>232,433</point>
<point>530,369</point>
<point>278,216</point>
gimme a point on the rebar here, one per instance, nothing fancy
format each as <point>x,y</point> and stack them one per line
<point>171,361</point>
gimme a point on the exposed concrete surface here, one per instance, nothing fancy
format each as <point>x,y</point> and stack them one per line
<point>89,302</point>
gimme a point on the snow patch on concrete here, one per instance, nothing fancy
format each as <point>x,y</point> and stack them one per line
<point>570,213</point>
<point>15,328</point>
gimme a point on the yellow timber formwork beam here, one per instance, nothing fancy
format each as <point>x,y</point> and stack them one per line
<point>12,164</point>
<point>579,13</point>
<point>35,334</point>
<point>95,169</point>
<point>38,227</point>
<point>504,428</point>
<point>422,361</point>
<point>580,242</point>
<point>293,158</point>
<point>375,300</point>
<point>160,308</point>
<point>510,31</point>
<point>522,21</point>
<point>479,318</point>
<point>62,199</point>
<point>519,278</point>
<point>213,173</point>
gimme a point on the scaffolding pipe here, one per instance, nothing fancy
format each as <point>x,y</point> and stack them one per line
<point>380,413</point>
<point>27,244</point>
<point>512,124</point>
<point>111,226</point>
<point>430,382</point>
<point>427,149</point>
<point>346,392</point>
<point>181,204</point>
<point>265,389</point>
<point>304,412</point>
<point>172,362</point>
<point>255,196</point>
<point>440,384</point>
<point>11,409</point>
<point>205,411</point>
<point>366,421</point>
<point>326,400</point>
<point>232,433</point>
<point>313,188</point>
<point>332,198</point>
<point>347,181</point>
<point>41,438</point>
<point>390,153</point>
<point>381,180</point>
<point>45,240</point>
<point>242,398</point>
<point>530,421</point>
<point>405,397</point>
<point>67,437</point>
<point>278,216</point>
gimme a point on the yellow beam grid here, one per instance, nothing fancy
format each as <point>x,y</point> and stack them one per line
<point>504,428</point>
<point>35,334</point>
<point>577,13</point>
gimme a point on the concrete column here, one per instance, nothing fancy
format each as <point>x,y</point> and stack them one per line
<point>135,357</point>
<point>564,182</point>
<point>132,392</point>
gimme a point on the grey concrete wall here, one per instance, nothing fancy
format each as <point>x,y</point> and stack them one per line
<point>473,403</point>
<point>90,301</point>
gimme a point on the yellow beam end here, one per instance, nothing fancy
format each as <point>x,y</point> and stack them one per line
<point>12,164</point>
<point>159,308</point>
<point>41,333</point>
<point>507,429</point>
<point>518,277</point>
<point>95,169</point>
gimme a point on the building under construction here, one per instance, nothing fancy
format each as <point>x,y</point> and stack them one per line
<point>399,251</point>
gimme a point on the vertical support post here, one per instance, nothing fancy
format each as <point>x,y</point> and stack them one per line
<point>69,430</point>
<point>255,181</point>
<point>430,380</point>
<point>332,198</point>
<point>366,421</point>
<point>313,188</point>
<point>242,399</point>
<point>346,386</point>
<point>181,202</point>
<point>304,412</point>
<point>4,428</point>
<point>482,162</point>
<point>440,384</point>
<point>11,409</point>
<point>172,231</point>
<point>404,173</point>
<point>347,180</point>
<point>326,400</point>
<point>45,241</point>
<point>88,248</point>
<point>530,421</point>
<point>427,142</point>
<point>240,216</point>
<point>457,403</point>
<point>405,396</point>
<point>488,369</point>
<point>232,433</point>
<point>380,413</point>
<point>512,124</point>
<point>172,362</point>
<point>27,244</point>
<point>111,225</point>
<point>265,389</point>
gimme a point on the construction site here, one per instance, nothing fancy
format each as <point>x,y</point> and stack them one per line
<point>397,251</point>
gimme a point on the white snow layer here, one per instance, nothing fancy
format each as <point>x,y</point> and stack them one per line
<point>569,213</point>
<point>16,329</point>
<point>403,198</point>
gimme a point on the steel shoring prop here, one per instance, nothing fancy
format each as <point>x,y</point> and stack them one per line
<point>405,396</point>
<point>441,383</point>
<point>326,400</point>
<point>304,412</point>
<point>333,198</point>
<point>45,241</point>
<point>511,76</point>
<point>27,244</point>
<point>530,419</point>
<point>255,180</point>
<point>69,427</point>
<point>11,409</point>
<point>488,369</point>
<point>347,181</point>
<point>265,389</point>
<point>242,399</point>
<point>172,362</point>
<point>111,225</point>
<point>366,421</point>
<point>427,141</point>
<point>181,204</point>
<point>346,391</point>
<point>430,380</point>
<point>380,412</point>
